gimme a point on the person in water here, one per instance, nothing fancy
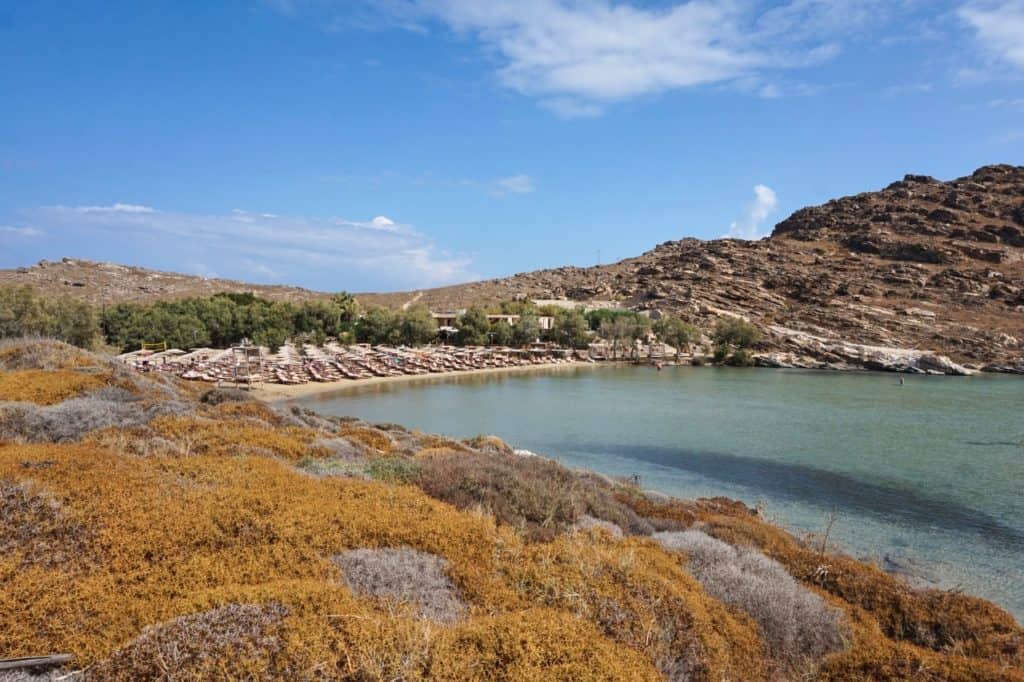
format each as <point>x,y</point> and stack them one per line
<point>901,380</point>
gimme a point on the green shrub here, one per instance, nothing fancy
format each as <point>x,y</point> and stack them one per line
<point>393,470</point>
<point>740,358</point>
<point>733,332</point>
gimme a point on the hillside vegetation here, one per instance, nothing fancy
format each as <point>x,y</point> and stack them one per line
<point>158,530</point>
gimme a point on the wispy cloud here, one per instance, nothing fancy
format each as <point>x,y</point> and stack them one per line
<point>1007,104</point>
<point>999,28</point>
<point>515,184</point>
<point>20,232</point>
<point>909,89</point>
<point>113,209</point>
<point>577,57</point>
<point>271,246</point>
<point>749,226</point>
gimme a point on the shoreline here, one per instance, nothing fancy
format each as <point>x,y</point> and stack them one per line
<point>274,393</point>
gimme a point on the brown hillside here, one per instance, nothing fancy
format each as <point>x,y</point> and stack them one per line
<point>937,266</point>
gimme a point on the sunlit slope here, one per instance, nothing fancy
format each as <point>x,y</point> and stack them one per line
<point>153,529</point>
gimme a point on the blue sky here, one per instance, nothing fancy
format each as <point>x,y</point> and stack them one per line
<point>399,144</point>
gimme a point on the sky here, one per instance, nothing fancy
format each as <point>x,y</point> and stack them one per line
<point>375,145</point>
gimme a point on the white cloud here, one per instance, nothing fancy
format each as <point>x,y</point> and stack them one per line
<point>115,208</point>
<point>908,88</point>
<point>1011,104</point>
<point>579,56</point>
<point>21,232</point>
<point>272,245</point>
<point>749,226</point>
<point>999,28</point>
<point>514,184</point>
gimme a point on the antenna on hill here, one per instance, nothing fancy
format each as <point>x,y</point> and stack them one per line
<point>599,256</point>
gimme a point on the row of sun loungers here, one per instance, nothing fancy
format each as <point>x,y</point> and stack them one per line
<point>333,362</point>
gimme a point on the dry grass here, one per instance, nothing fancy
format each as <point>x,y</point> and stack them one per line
<point>403,575</point>
<point>639,595</point>
<point>44,387</point>
<point>231,438</point>
<point>218,564</point>
<point>369,436</point>
<point>538,644</point>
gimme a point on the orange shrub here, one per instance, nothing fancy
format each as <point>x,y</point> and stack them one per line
<point>532,645</point>
<point>203,436</point>
<point>47,387</point>
<point>370,437</point>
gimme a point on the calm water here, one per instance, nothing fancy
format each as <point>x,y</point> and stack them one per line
<point>930,472</point>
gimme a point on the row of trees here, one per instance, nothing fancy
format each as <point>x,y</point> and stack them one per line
<point>225,319</point>
<point>23,312</point>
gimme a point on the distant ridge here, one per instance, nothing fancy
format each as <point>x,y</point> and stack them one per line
<point>920,264</point>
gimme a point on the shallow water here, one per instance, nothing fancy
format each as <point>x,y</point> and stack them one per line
<point>930,473</point>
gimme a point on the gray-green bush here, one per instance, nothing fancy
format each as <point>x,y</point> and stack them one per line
<point>403,575</point>
<point>796,623</point>
<point>194,647</point>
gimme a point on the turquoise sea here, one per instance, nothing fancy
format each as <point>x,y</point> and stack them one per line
<point>929,475</point>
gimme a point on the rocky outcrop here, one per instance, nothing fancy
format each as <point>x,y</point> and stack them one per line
<point>807,351</point>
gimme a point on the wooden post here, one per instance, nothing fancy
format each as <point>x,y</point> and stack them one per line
<point>35,662</point>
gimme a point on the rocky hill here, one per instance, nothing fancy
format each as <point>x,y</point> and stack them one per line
<point>887,279</point>
<point>922,264</point>
<point>109,283</point>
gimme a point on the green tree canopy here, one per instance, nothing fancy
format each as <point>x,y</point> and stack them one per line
<point>417,326</point>
<point>571,329</point>
<point>732,332</point>
<point>379,326</point>
<point>526,331</point>
<point>474,328</point>
<point>675,332</point>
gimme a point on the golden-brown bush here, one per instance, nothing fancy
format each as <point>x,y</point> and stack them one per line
<point>538,644</point>
<point>370,437</point>
<point>225,555</point>
<point>44,387</point>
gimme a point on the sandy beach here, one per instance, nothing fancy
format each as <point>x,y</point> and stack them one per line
<point>283,392</point>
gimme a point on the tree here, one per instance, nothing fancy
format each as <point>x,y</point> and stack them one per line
<point>571,329</point>
<point>22,312</point>
<point>675,332</point>
<point>76,322</point>
<point>474,328</point>
<point>738,336</point>
<point>526,331</point>
<point>616,330</point>
<point>418,326</point>
<point>502,334</point>
<point>378,326</point>
<point>733,332</point>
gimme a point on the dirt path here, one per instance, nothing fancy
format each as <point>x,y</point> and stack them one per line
<point>418,296</point>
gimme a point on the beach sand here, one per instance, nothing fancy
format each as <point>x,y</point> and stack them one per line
<point>283,392</point>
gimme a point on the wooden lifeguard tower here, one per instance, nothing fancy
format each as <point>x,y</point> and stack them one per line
<point>247,365</point>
